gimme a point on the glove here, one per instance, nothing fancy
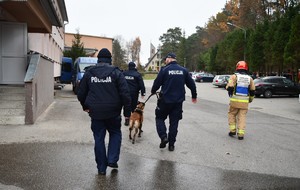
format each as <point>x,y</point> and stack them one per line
<point>251,99</point>
<point>230,91</point>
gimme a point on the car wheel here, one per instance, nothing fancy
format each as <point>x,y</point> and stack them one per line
<point>201,80</point>
<point>268,94</point>
<point>257,95</point>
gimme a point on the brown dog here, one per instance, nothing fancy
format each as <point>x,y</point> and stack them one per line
<point>136,121</point>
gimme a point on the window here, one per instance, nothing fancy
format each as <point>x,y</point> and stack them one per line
<point>67,67</point>
<point>288,82</point>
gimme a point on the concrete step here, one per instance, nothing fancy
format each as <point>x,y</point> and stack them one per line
<point>5,104</point>
<point>12,111</point>
<point>12,104</point>
<point>14,89</point>
<point>12,120</point>
<point>12,97</point>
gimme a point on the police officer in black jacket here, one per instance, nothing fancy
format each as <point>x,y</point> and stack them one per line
<point>136,84</point>
<point>103,92</point>
<point>172,79</point>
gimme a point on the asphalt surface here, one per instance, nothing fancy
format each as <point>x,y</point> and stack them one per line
<point>57,151</point>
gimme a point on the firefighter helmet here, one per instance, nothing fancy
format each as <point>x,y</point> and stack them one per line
<point>242,65</point>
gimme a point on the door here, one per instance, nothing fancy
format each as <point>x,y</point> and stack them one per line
<point>13,52</point>
<point>278,86</point>
<point>290,87</point>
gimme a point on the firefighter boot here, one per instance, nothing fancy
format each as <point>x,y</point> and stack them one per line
<point>241,133</point>
<point>232,133</point>
<point>232,130</point>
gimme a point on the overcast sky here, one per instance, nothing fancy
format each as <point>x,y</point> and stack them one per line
<point>137,18</point>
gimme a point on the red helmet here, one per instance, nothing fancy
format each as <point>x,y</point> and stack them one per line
<point>242,65</point>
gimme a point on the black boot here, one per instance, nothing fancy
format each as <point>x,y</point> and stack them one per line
<point>126,121</point>
<point>164,142</point>
<point>171,147</point>
<point>231,134</point>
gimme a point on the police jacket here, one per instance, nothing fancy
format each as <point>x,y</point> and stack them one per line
<point>104,91</point>
<point>172,80</point>
<point>135,81</point>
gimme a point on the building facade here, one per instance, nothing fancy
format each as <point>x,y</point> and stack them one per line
<point>92,44</point>
<point>31,48</point>
<point>154,62</point>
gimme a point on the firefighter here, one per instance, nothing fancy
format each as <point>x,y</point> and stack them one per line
<point>241,92</point>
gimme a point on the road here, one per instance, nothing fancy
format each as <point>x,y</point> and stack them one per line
<point>57,151</point>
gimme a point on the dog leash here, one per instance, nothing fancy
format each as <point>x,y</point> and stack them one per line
<point>150,97</point>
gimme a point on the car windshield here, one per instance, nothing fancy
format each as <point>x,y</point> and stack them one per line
<point>82,66</point>
<point>257,80</point>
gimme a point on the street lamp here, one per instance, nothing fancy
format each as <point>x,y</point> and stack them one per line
<point>245,36</point>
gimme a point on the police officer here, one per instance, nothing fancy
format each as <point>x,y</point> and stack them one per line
<point>172,80</point>
<point>102,93</point>
<point>136,84</point>
<point>241,90</point>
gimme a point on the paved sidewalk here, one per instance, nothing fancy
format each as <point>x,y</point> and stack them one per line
<point>57,152</point>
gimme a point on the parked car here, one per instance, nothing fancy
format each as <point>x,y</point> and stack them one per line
<point>275,85</point>
<point>204,77</point>
<point>221,80</point>
<point>80,65</point>
<point>193,75</point>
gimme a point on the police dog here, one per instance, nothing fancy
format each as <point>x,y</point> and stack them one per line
<point>136,121</point>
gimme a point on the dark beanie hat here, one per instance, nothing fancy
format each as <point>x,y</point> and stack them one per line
<point>104,53</point>
<point>131,65</point>
<point>171,55</point>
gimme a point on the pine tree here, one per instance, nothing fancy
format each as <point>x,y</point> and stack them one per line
<point>77,49</point>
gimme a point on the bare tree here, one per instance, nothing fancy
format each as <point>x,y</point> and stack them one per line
<point>133,50</point>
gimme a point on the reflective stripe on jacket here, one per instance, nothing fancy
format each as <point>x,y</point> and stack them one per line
<point>240,97</point>
<point>241,90</point>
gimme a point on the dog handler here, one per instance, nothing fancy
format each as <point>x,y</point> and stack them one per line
<point>241,90</point>
<point>102,93</point>
<point>136,84</point>
<point>172,79</point>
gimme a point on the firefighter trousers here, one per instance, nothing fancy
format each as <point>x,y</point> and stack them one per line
<point>237,120</point>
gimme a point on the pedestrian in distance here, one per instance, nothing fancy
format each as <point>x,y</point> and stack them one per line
<point>136,85</point>
<point>103,92</point>
<point>172,79</point>
<point>241,90</point>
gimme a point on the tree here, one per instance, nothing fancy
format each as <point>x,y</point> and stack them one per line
<point>256,49</point>
<point>171,40</point>
<point>280,41</point>
<point>267,44</point>
<point>118,55</point>
<point>181,51</point>
<point>135,50</point>
<point>216,29</point>
<point>250,13</point>
<point>192,51</point>
<point>292,49</point>
<point>77,49</point>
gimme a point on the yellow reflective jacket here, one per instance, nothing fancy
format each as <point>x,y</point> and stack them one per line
<point>242,85</point>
